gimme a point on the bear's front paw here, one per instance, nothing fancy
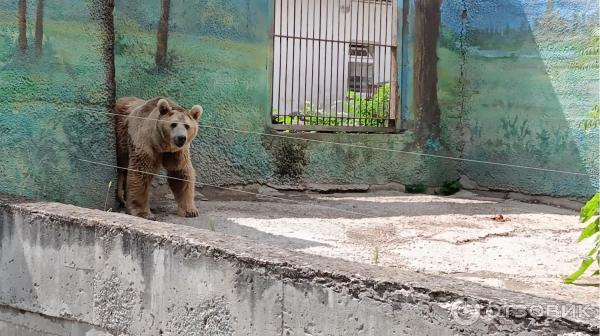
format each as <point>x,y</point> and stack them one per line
<point>189,213</point>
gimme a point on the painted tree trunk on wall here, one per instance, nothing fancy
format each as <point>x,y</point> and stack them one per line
<point>248,15</point>
<point>107,18</point>
<point>163,34</point>
<point>549,8</point>
<point>39,27</point>
<point>427,31</point>
<point>22,25</point>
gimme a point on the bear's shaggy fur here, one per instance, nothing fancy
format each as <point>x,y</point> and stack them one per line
<point>151,134</point>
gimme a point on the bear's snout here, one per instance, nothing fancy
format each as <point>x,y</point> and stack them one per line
<point>180,140</point>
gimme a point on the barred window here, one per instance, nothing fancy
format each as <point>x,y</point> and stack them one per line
<point>334,65</point>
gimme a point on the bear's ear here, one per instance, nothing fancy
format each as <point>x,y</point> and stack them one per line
<point>196,112</point>
<point>163,107</point>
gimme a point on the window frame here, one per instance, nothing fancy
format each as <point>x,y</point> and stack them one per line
<point>397,77</point>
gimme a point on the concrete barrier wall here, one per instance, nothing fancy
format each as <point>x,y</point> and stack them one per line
<point>14,322</point>
<point>113,274</point>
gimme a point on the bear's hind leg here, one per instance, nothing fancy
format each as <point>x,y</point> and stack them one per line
<point>122,187</point>
<point>138,194</point>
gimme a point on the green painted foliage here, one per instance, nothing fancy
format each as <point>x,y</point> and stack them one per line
<point>593,119</point>
<point>589,53</point>
<point>51,107</point>
<point>589,58</point>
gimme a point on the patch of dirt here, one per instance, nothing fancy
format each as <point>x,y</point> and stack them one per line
<point>376,235</point>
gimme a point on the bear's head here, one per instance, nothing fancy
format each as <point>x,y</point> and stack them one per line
<point>177,126</point>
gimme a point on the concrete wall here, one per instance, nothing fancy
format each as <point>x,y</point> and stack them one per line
<point>515,84</point>
<point>14,322</point>
<point>52,100</point>
<point>224,63</point>
<point>54,106</point>
<point>110,273</point>
<point>508,90</point>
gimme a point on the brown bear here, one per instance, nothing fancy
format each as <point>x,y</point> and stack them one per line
<point>151,134</point>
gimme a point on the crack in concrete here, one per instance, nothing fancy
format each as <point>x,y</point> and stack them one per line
<point>462,81</point>
<point>463,143</point>
<point>510,234</point>
<point>485,237</point>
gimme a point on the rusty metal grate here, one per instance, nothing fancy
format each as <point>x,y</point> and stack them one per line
<point>334,65</point>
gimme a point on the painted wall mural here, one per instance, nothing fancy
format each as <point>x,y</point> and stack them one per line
<point>213,53</point>
<point>219,55</point>
<point>512,78</point>
<point>514,88</point>
<point>54,80</point>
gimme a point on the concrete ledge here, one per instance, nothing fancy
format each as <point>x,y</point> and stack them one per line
<point>561,202</point>
<point>130,276</point>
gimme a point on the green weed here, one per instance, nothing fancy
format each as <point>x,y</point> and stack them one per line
<point>589,217</point>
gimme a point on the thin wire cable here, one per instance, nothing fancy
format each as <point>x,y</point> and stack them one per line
<point>103,111</point>
<point>361,146</point>
<point>224,188</point>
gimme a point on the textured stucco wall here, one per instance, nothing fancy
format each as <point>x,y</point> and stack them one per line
<point>130,276</point>
<point>225,66</point>
<point>45,125</point>
<point>508,93</point>
<point>512,90</point>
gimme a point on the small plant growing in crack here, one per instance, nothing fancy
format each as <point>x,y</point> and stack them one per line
<point>589,215</point>
<point>106,198</point>
<point>376,255</point>
<point>211,224</point>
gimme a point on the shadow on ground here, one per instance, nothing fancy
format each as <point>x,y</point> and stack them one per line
<point>531,252</point>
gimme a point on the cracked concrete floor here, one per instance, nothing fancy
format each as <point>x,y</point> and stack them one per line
<point>453,236</point>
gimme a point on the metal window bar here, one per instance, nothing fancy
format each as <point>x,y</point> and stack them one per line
<point>334,66</point>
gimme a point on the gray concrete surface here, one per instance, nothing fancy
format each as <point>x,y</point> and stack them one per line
<point>21,323</point>
<point>455,236</point>
<point>129,276</point>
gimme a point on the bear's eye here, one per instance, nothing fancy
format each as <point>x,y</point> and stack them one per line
<point>187,127</point>
<point>173,125</point>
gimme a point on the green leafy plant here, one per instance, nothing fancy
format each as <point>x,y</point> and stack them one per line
<point>418,188</point>
<point>211,224</point>
<point>450,188</point>
<point>283,119</point>
<point>376,255</point>
<point>589,216</point>
<point>309,109</point>
<point>374,111</point>
<point>106,199</point>
<point>325,121</point>
<point>589,58</point>
<point>313,116</point>
<point>371,112</point>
